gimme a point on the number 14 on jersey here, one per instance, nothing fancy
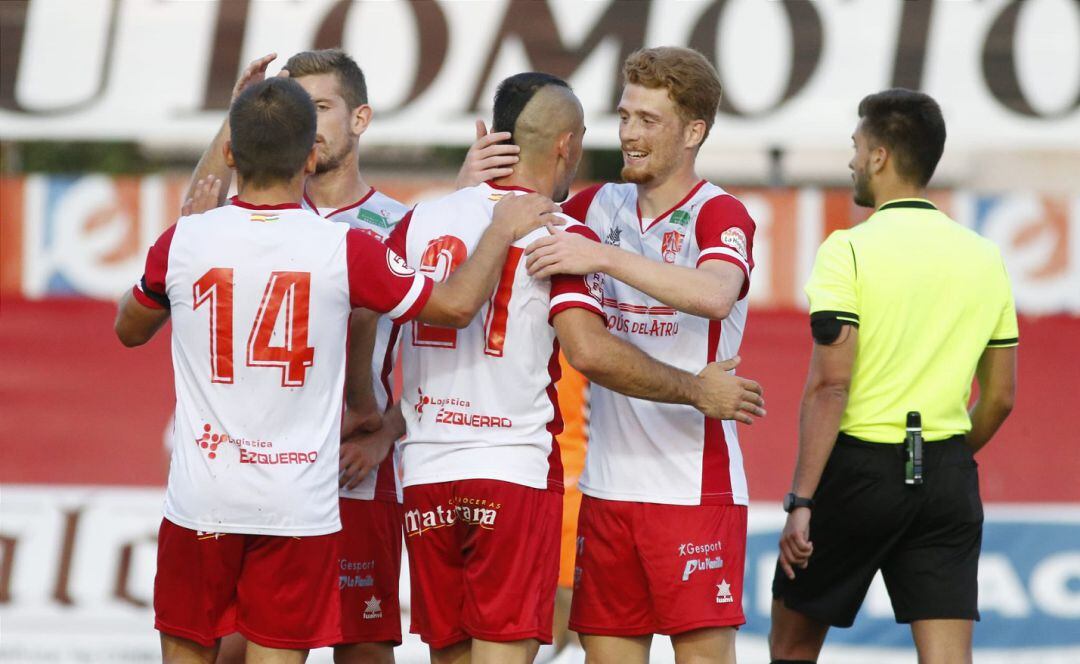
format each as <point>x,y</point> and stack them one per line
<point>288,290</point>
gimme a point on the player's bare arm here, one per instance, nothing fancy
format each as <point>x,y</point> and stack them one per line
<point>212,162</point>
<point>709,291</point>
<point>996,375</point>
<point>362,451</point>
<point>137,323</point>
<point>488,158</point>
<point>454,302</point>
<point>823,403</point>
<point>620,366</point>
<point>359,389</point>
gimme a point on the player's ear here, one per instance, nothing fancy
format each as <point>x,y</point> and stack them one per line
<point>694,133</point>
<point>562,146</point>
<point>361,119</point>
<point>878,157</point>
<point>226,150</point>
<point>312,161</point>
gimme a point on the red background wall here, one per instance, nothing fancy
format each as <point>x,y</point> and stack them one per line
<point>76,407</point>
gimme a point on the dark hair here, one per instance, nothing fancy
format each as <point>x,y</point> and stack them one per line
<point>514,93</point>
<point>332,60</point>
<point>273,129</point>
<point>910,126</point>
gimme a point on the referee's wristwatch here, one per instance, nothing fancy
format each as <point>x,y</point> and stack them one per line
<point>791,501</point>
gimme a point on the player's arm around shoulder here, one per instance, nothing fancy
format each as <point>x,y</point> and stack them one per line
<point>710,289</point>
<point>455,302</point>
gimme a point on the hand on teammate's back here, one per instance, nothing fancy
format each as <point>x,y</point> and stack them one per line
<point>563,253</point>
<point>523,214</point>
<point>204,196</point>
<point>488,158</point>
<point>726,396</point>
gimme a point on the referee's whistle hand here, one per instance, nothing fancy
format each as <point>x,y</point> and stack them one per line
<point>795,545</point>
<point>725,396</point>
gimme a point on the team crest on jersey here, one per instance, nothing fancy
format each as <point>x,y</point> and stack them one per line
<point>398,265</point>
<point>672,245</point>
<point>613,236</point>
<point>736,239</point>
<point>680,218</point>
<point>374,218</point>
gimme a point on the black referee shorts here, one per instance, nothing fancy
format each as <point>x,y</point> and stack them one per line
<point>925,539</point>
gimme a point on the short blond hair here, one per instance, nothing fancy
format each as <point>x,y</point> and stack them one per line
<point>690,79</point>
<point>332,61</point>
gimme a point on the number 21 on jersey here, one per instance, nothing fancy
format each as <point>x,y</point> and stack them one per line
<point>288,290</point>
<point>442,256</point>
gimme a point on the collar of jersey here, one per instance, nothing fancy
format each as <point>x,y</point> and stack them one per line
<point>363,199</point>
<point>915,203</point>
<point>501,187</point>
<point>235,200</point>
<point>660,218</point>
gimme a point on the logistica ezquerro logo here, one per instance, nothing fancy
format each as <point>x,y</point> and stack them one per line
<point>251,451</point>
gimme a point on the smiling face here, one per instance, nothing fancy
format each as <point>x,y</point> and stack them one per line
<point>339,126</point>
<point>652,134</point>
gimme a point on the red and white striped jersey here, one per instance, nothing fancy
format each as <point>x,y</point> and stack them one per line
<point>260,298</point>
<point>654,452</point>
<point>375,214</point>
<point>480,403</point>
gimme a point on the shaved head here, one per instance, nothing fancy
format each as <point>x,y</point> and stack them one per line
<point>544,118</point>
<point>552,112</point>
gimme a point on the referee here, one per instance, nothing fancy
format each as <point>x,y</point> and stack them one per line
<point>904,309</point>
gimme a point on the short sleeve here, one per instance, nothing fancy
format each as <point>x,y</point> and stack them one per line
<point>151,290</point>
<point>1006,332</point>
<point>578,205</point>
<point>380,280</point>
<point>725,231</point>
<point>831,287</point>
<point>577,291</point>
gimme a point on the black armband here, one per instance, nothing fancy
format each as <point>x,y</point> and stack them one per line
<point>160,298</point>
<point>825,326</point>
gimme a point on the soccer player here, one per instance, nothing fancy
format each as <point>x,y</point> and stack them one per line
<point>249,542</point>
<point>481,468</point>
<point>663,520</point>
<point>370,562</point>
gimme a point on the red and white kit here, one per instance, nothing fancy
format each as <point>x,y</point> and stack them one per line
<point>479,405</point>
<point>369,562</point>
<point>260,298</point>
<point>667,454</point>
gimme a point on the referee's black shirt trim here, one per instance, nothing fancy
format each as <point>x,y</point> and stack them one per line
<point>918,205</point>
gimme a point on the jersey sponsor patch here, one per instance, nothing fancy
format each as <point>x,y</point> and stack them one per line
<point>680,218</point>
<point>398,265</point>
<point>736,239</point>
<point>374,218</point>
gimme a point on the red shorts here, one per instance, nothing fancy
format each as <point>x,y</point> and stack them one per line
<point>483,560</point>
<point>646,568</point>
<point>278,591</point>
<point>369,570</point>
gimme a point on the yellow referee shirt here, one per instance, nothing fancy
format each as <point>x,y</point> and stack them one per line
<point>928,296</point>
